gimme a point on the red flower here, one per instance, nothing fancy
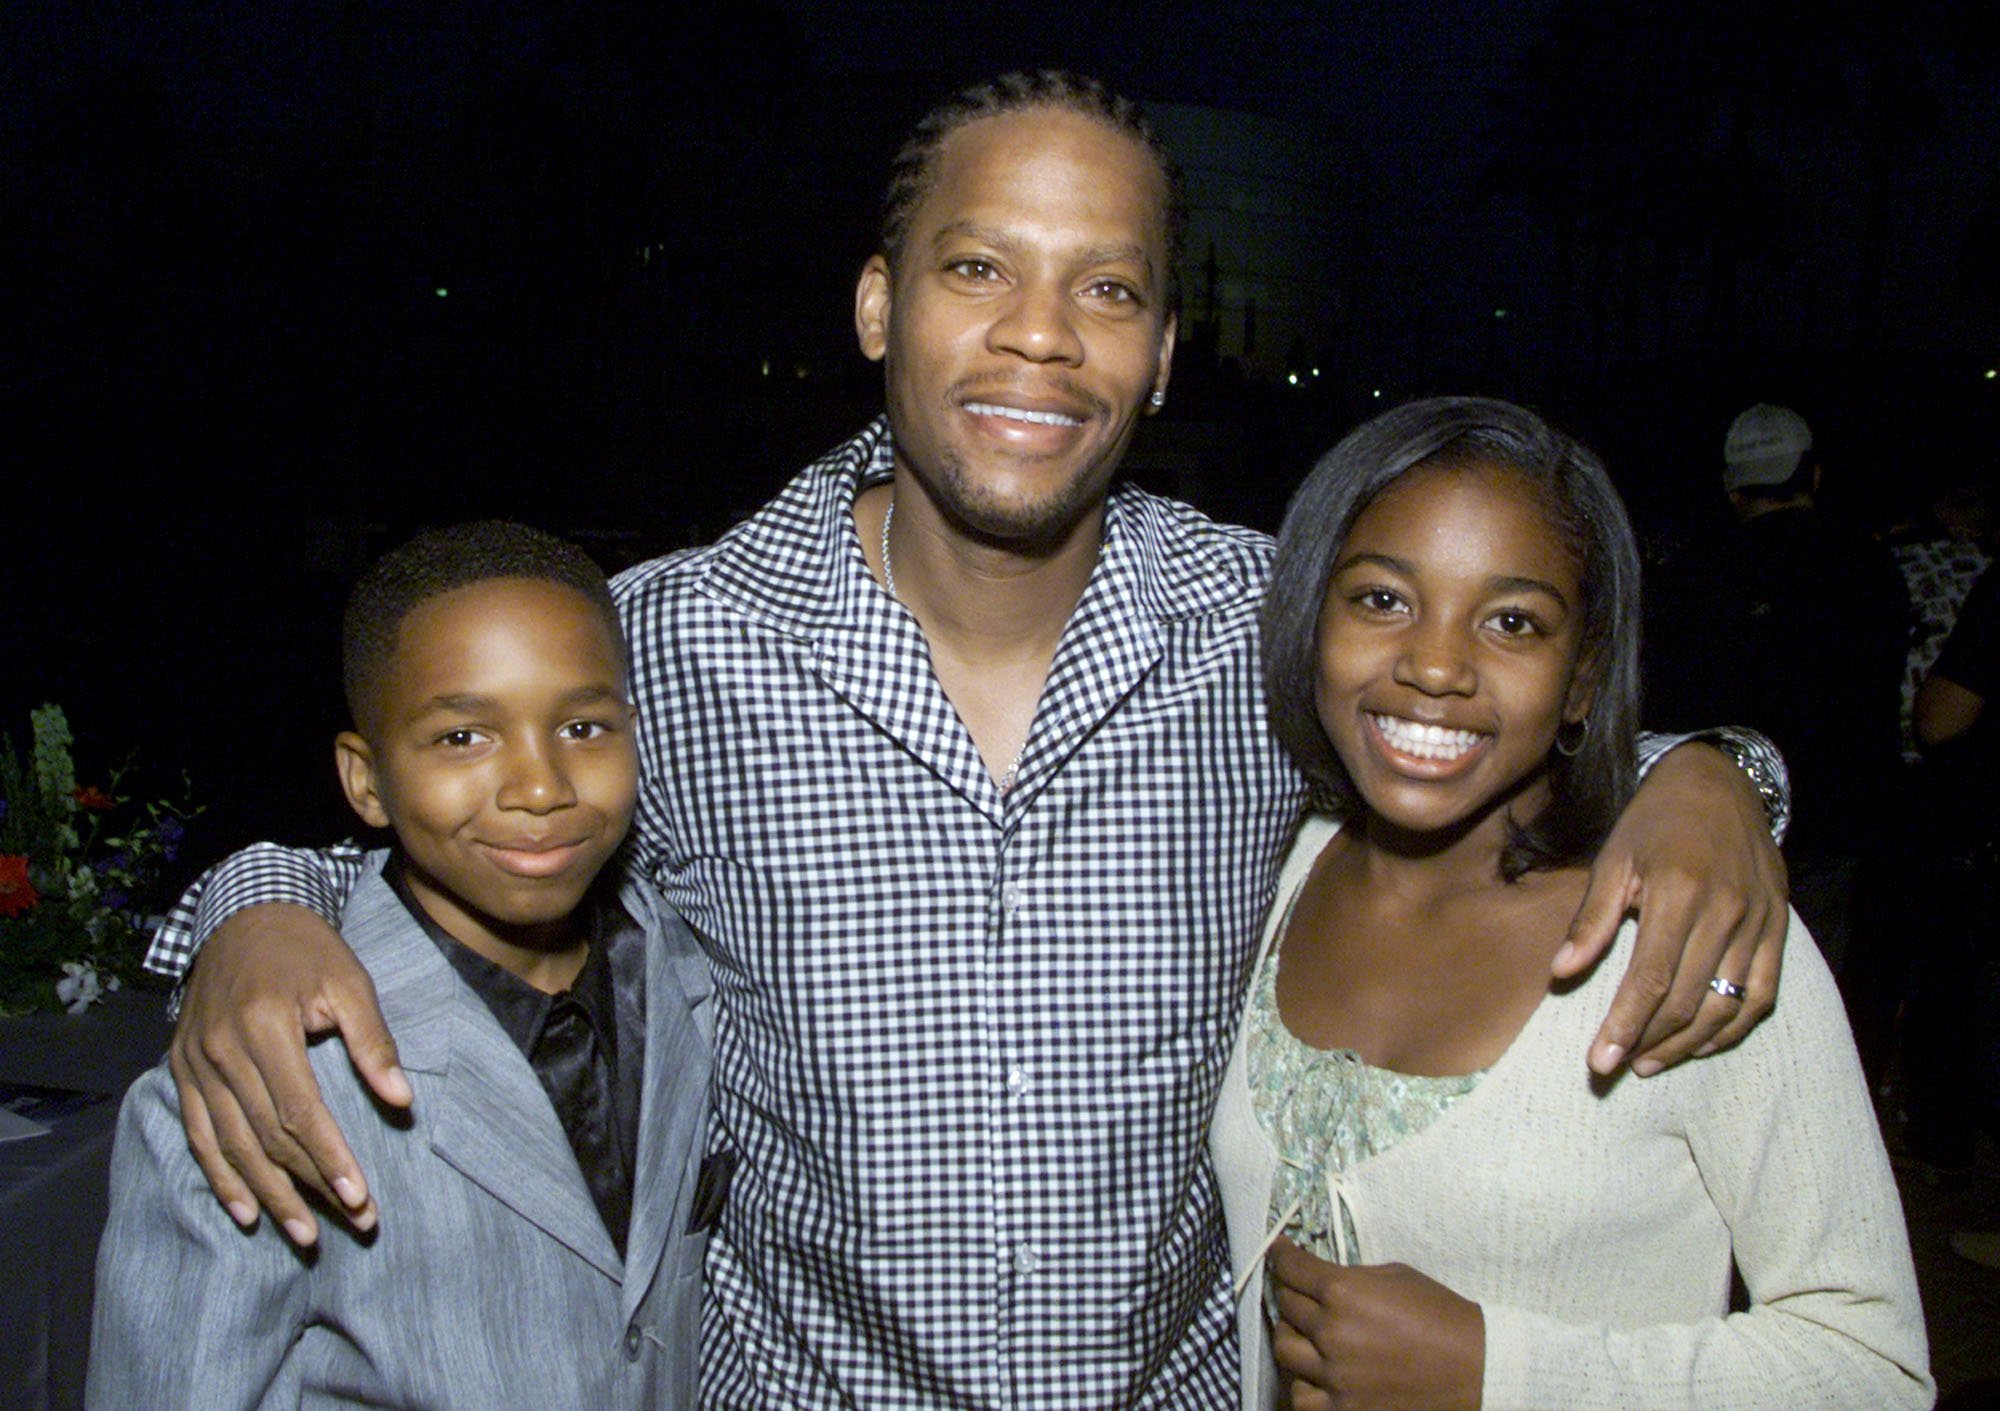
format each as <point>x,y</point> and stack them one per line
<point>17,893</point>
<point>92,797</point>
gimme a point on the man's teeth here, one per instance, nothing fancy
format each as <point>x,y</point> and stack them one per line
<point>1424,741</point>
<point>1019,414</point>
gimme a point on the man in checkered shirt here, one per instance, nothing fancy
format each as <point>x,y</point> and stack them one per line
<point>955,756</point>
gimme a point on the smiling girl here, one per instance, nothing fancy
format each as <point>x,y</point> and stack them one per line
<point>1431,1201</point>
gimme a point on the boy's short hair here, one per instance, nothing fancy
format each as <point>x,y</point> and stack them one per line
<point>439,560</point>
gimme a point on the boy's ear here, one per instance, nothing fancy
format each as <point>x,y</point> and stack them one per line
<point>355,763</point>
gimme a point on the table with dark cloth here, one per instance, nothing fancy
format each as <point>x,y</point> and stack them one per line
<point>53,1188</point>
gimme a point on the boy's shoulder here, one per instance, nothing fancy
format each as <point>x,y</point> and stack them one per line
<point>413,981</point>
<point>417,988</point>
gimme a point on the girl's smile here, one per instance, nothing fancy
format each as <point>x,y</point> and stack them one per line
<point>1432,750</point>
<point>1448,647</point>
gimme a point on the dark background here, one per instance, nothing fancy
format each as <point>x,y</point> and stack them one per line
<point>283,283</point>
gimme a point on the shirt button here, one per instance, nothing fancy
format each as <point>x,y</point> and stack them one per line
<point>1026,1261</point>
<point>1010,896</point>
<point>1017,1080</point>
<point>632,1343</point>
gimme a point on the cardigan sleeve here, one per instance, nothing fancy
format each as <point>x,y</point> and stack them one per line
<point>1784,1137</point>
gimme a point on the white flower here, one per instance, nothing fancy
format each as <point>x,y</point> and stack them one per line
<point>81,986</point>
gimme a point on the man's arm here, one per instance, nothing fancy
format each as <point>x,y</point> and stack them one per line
<point>1944,711</point>
<point>273,972</point>
<point>262,872</point>
<point>1696,855</point>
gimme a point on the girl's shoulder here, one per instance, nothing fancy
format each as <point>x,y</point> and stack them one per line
<point>1316,830</point>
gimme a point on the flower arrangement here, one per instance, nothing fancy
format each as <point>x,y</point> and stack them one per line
<point>78,867</point>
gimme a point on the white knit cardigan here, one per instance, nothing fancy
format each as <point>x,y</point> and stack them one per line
<point>1595,1224</point>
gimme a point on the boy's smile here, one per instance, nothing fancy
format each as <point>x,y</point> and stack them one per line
<point>500,750</point>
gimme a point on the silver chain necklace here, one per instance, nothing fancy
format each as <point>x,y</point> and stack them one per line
<point>888,567</point>
<point>1005,782</point>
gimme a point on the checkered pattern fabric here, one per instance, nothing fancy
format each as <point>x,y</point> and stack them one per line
<point>1938,573</point>
<point>968,1042</point>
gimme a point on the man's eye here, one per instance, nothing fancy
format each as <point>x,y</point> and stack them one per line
<point>586,729</point>
<point>971,268</point>
<point>459,739</point>
<point>1112,291</point>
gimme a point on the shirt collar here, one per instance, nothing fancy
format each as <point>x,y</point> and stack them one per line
<point>797,563</point>
<point>520,1008</point>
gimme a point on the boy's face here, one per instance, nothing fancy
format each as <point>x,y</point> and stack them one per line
<point>500,750</point>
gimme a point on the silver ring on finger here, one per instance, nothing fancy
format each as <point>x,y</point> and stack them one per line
<point>1728,989</point>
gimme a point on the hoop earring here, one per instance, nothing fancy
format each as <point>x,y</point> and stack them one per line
<point>1575,745</point>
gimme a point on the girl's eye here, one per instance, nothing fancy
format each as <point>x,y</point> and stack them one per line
<point>585,729</point>
<point>460,739</point>
<point>1378,600</point>
<point>1513,623</point>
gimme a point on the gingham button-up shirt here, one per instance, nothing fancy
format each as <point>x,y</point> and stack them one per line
<point>968,1042</point>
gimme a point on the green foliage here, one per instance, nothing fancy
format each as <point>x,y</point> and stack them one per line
<point>79,868</point>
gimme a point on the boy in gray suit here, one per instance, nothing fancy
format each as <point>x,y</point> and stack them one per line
<point>550,1207</point>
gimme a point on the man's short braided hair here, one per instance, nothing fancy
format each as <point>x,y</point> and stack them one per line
<point>914,170</point>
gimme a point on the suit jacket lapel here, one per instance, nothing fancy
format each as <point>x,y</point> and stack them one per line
<point>673,1111</point>
<point>496,1125</point>
<point>491,1120</point>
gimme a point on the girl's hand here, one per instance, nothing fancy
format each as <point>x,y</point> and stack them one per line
<point>1376,1337</point>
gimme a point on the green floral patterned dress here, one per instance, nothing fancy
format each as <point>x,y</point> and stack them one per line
<point>1326,1111</point>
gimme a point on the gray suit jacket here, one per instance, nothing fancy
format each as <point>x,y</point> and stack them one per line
<point>491,1283</point>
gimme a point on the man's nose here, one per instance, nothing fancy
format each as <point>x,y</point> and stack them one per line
<point>1038,322</point>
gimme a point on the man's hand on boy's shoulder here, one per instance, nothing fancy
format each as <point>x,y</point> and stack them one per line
<point>270,976</point>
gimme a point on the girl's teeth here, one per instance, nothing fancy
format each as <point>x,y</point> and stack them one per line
<point>1425,741</point>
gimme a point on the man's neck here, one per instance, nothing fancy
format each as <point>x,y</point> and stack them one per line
<point>989,603</point>
<point>992,614</point>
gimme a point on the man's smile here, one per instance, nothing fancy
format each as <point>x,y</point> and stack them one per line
<point>1023,414</point>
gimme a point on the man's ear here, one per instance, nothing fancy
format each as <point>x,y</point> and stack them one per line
<point>354,761</point>
<point>871,308</point>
